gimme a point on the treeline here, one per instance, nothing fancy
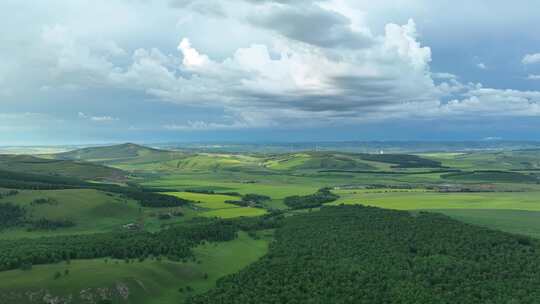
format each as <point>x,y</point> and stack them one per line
<point>175,243</point>
<point>355,254</point>
<point>44,201</point>
<point>317,199</point>
<point>250,200</point>
<point>8,193</point>
<point>155,200</point>
<point>206,191</point>
<point>11,215</point>
<point>47,224</point>
<point>145,197</point>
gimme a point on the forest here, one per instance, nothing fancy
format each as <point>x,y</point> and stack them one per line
<point>317,199</point>
<point>174,243</point>
<point>357,254</point>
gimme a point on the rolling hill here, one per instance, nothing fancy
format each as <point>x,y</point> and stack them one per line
<point>58,167</point>
<point>115,153</point>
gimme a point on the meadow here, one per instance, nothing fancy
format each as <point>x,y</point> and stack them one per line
<point>216,203</point>
<point>92,211</point>
<point>150,281</point>
<point>515,212</point>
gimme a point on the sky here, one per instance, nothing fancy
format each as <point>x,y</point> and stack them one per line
<point>98,71</point>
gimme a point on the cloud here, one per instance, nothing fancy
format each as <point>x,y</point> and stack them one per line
<point>311,24</point>
<point>292,83</point>
<point>533,77</point>
<point>192,58</point>
<point>97,118</point>
<point>443,76</point>
<point>481,66</point>
<point>204,7</point>
<point>281,64</point>
<point>487,102</point>
<point>204,126</point>
<point>531,59</point>
<point>293,75</point>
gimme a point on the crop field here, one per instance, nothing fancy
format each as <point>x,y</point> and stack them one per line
<point>150,281</point>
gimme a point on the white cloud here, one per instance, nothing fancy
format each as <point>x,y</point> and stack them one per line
<point>270,76</point>
<point>192,58</point>
<point>204,126</point>
<point>97,118</point>
<point>487,102</point>
<point>533,77</point>
<point>481,66</point>
<point>531,59</point>
<point>443,76</point>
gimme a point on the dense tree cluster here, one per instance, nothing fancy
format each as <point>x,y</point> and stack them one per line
<point>207,191</point>
<point>175,243</point>
<point>18,180</point>
<point>47,224</point>
<point>44,201</point>
<point>355,254</point>
<point>250,200</point>
<point>317,199</point>
<point>11,215</point>
<point>155,200</point>
<point>8,193</point>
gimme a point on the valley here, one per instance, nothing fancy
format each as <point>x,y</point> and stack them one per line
<point>184,223</point>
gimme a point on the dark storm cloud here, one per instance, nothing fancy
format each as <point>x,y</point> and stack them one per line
<point>205,7</point>
<point>311,24</point>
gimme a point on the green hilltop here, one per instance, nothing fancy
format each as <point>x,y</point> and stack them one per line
<point>114,153</point>
<point>59,167</point>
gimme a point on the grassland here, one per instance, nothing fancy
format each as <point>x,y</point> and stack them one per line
<point>515,207</point>
<point>513,221</point>
<point>68,168</point>
<point>149,281</point>
<point>414,200</point>
<point>207,201</point>
<point>515,212</point>
<point>91,211</point>
<point>216,203</point>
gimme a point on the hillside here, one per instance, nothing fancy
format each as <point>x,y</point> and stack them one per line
<point>115,153</point>
<point>59,167</point>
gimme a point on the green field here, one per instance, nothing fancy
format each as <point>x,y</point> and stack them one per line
<point>515,212</point>
<point>234,212</point>
<point>207,201</point>
<point>150,281</point>
<point>415,200</point>
<point>513,221</point>
<point>91,211</point>
<point>216,202</point>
